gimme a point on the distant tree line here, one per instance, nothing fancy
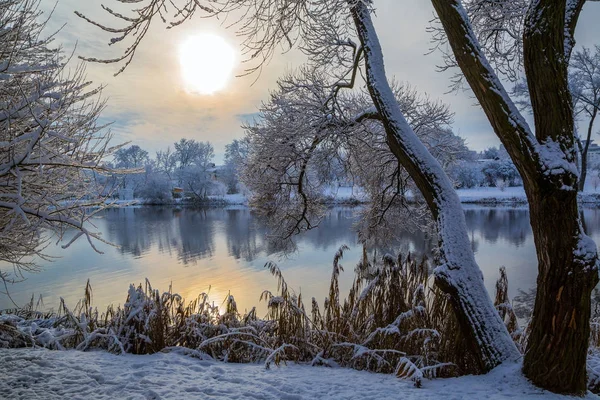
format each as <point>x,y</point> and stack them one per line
<point>489,168</point>
<point>186,171</point>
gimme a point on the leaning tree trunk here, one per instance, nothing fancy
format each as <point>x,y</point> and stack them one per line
<point>556,353</point>
<point>459,274</point>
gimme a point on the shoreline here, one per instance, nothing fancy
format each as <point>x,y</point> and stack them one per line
<point>514,196</point>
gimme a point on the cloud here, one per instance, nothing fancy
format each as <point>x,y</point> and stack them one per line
<point>152,107</point>
<point>247,118</point>
<point>148,102</point>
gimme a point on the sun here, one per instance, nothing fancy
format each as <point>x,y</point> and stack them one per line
<point>207,62</point>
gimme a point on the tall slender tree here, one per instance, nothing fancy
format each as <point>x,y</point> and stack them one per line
<point>584,79</point>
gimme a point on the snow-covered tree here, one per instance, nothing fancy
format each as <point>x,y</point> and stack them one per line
<point>584,81</point>
<point>166,162</point>
<point>194,160</point>
<point>136,162</point>
<point>190,152</point>
<point>491,153</point>
<point>236,154</point>
<point>488,38</point>
<point>50,143</point>
<point>500,170</point>
<point>196,181</point>
<point>156,188</point>
<point>467,174</point>
<point>131,157</point>
<point>297,151</point>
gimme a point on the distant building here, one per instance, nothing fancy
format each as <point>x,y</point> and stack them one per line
<point>593,155</point>
<point>213,171</point>
<point>177,192</point>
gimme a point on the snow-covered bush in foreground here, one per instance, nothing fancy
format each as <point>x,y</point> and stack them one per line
<point>393,320</point>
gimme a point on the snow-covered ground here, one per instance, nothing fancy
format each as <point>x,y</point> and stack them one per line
<point>45,374</point>
<point>492,195</point>
<point>353,195</point>
<point>232,199</point>
<point>344,194</point>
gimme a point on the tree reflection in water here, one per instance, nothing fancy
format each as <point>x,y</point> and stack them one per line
<point>231,246</point>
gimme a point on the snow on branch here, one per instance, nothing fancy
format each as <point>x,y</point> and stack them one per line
<point>51,144</point>
<point>311,136</point>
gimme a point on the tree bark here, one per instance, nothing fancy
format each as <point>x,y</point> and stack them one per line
<point>556,353</point>
<point>459,274</point>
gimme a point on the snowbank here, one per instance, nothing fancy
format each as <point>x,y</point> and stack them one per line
<point>344,194</point>
<point>41,373</point>
<point>492,195</point>
<point>512,195</point>
<point>355,195</point>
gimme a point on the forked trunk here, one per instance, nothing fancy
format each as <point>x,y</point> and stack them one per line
<point>567,259</point>
<point>556,353</point>
<point>584,151</point>
<point>459,275</point>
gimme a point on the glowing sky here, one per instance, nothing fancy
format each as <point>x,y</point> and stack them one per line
<point>151,107</point>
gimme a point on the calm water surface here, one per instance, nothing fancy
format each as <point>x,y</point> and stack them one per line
<point>224,250</point>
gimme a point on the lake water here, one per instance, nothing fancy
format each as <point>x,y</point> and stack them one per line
<point>224,250</point>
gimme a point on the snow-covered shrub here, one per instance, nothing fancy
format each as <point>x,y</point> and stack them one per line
<point>503,170</point>
<point>393,320</point>
<point>501,184</point>
<point>10,335</point>
<point>157,190</point>
<point>142,325</point>
<point>467,174</point>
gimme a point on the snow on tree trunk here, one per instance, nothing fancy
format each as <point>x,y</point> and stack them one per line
<point>459,274</point>
<point>556,353</point>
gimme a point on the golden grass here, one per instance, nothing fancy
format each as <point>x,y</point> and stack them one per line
<point>393,320</point>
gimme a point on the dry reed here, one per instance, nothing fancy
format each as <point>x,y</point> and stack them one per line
<point>393,320</point>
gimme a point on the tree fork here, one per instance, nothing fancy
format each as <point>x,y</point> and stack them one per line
<point>567,259</point>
